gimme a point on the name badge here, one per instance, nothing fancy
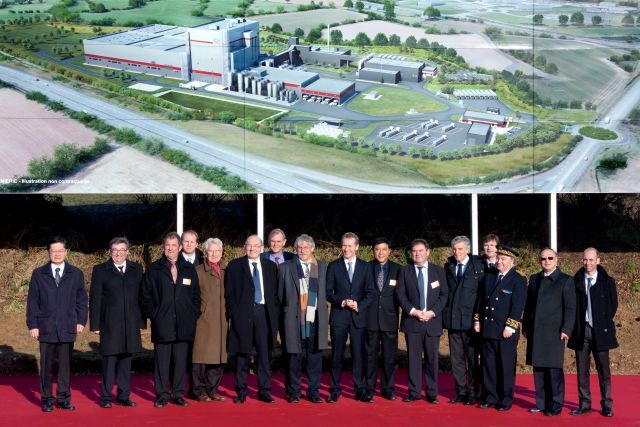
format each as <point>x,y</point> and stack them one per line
<point>435,284</point>
<point>392,282</point>
<point>186,282</point>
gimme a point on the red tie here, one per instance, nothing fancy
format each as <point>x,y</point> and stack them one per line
<point>277,260</point>
<point>174,272</point>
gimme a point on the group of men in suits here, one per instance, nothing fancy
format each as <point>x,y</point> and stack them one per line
<point>483,302</point>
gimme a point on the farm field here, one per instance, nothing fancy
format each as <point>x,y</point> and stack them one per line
<point>308,19</point>
<point>240,109</point>
<point>395,101</point>
<point>271,6</point>
<point>23,128</point>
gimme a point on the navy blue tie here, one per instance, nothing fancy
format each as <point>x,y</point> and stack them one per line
<point>421,288</point>
<point>257,298</point>
<point>460,272</point>
<point>57,277</point>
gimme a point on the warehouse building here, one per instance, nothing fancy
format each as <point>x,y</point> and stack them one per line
<point>486,118</point>
<point>409,70</point>
<point>379,75</point>
<point>331,89</point>
<point>479,134</point>
<point>475,94</point>
<point>208,52</point>
<point>333,56</point>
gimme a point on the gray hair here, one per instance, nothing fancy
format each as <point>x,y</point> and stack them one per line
<point>276,231</point>
<point>212,240</point>
<point>253,235</point>
<point>118,240</point>
<point>461,239</point>
<point>304,238</point>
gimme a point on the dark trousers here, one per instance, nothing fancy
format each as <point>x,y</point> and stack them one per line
<point>206,378</point>
<point>462,350</point>
<point>499,371</point>
<point>261,341</point>
<point>601,359</point>
<point>417,344</point>
<point>314,367</point>
<point>339,336</point>
<point>549,384</point>
<point>116,369</point>
<point>170,367</point>
<point>49,352</point>
<point>388,340</point>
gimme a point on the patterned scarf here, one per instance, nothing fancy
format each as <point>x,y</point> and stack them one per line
<point>215,266</point>
<point>308,295</point>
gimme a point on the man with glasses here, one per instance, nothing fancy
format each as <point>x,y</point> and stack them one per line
<point>594,331</point>
<point>56,312</point>
<point>422,292</point>
<point>171,299</point>
<point>115,315</point>
<point>498,315</point>
<point>549,316</point>
<point>251,302</point>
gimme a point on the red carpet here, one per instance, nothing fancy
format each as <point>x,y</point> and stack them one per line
<point>20,406</point>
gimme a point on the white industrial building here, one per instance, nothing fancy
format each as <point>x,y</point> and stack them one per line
<point>208,52</point>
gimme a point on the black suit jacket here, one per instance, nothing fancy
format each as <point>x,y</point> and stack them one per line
<point>172,308</point>
<point>384,311</point>
<point>198,259</point>
<point>265,256</point>
<point>409,297</point>
<point>458,314</point>
<point>114,307</point>
<point>239,294</point>
<point>502,305</point>
<point>604,304</point>
<point>339,289</point>
<point>56,310</point>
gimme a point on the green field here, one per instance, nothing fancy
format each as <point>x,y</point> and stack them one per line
<point>308,19</point>
<point>395,101</point>
<point>15,11</point>
<point>504,18</point>
<point>267,6</point>
<point>572,116</point>
<point>240,109</point>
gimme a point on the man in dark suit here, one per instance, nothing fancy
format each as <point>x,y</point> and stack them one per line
<point>350,292</point>
<point>190,251</point>
<point>498,316</point>
<point>170,297</point>
<point>56,312</point>
<point>251,300</point>
<point>422,292</point>
<point>490,256</point>
<point>549,316</point>
<point>594,331</point>
<point>302,293</point>
<point>382,322</point>
<point>464,272</point>
<point>276,252</point>
<point>115,315</point>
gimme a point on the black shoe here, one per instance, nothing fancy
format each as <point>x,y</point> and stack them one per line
<point>432,400</point>
<point>267,398</point>
<point>180,401</point>
<point>125,402</point>
<point>553,413</point>
<point>333,397</point>
<point>106,405</point>
<point>293,398</point>
<point>470,400</point>
<point>160,402</point>
<point>411,398</point>
<point>47,407</point>
<point>503,408</point>
<point>65,405</point>
<point>240,398</point>
<point>459,398</point>
<point>486,405</point>
<point>314,398</point>
<point>367,397</point>
<point>580,411</point>
<point>607,413</point>
<point>389,396</point>
<point>535,410</point>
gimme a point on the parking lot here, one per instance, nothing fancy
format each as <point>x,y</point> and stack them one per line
<point>443,136</point>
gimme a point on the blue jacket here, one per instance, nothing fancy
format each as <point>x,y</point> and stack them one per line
<point>56,310</point>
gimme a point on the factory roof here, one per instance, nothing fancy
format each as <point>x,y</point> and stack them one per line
<point>497,118</point>
<point>224,23</point>
<point>284,75</point>
<point>393,62</point>
<point>330,85</point>
<point>479,129</point>
<point>157,37</point>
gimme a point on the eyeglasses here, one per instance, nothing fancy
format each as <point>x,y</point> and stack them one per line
<point>549,258</point>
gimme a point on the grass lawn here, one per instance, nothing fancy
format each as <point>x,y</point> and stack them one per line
<point>167,80</point>
<point>395,101</point>
<point>241,110</point>
<point>572,116</point>
<point>323,159</point>
<point>481,166</point>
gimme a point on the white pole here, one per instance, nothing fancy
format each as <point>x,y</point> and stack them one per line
<point>260,217</point>
<point>328,35</point>
<point>474,223</point>
<point>180,213</point>
<point>553,221</point>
